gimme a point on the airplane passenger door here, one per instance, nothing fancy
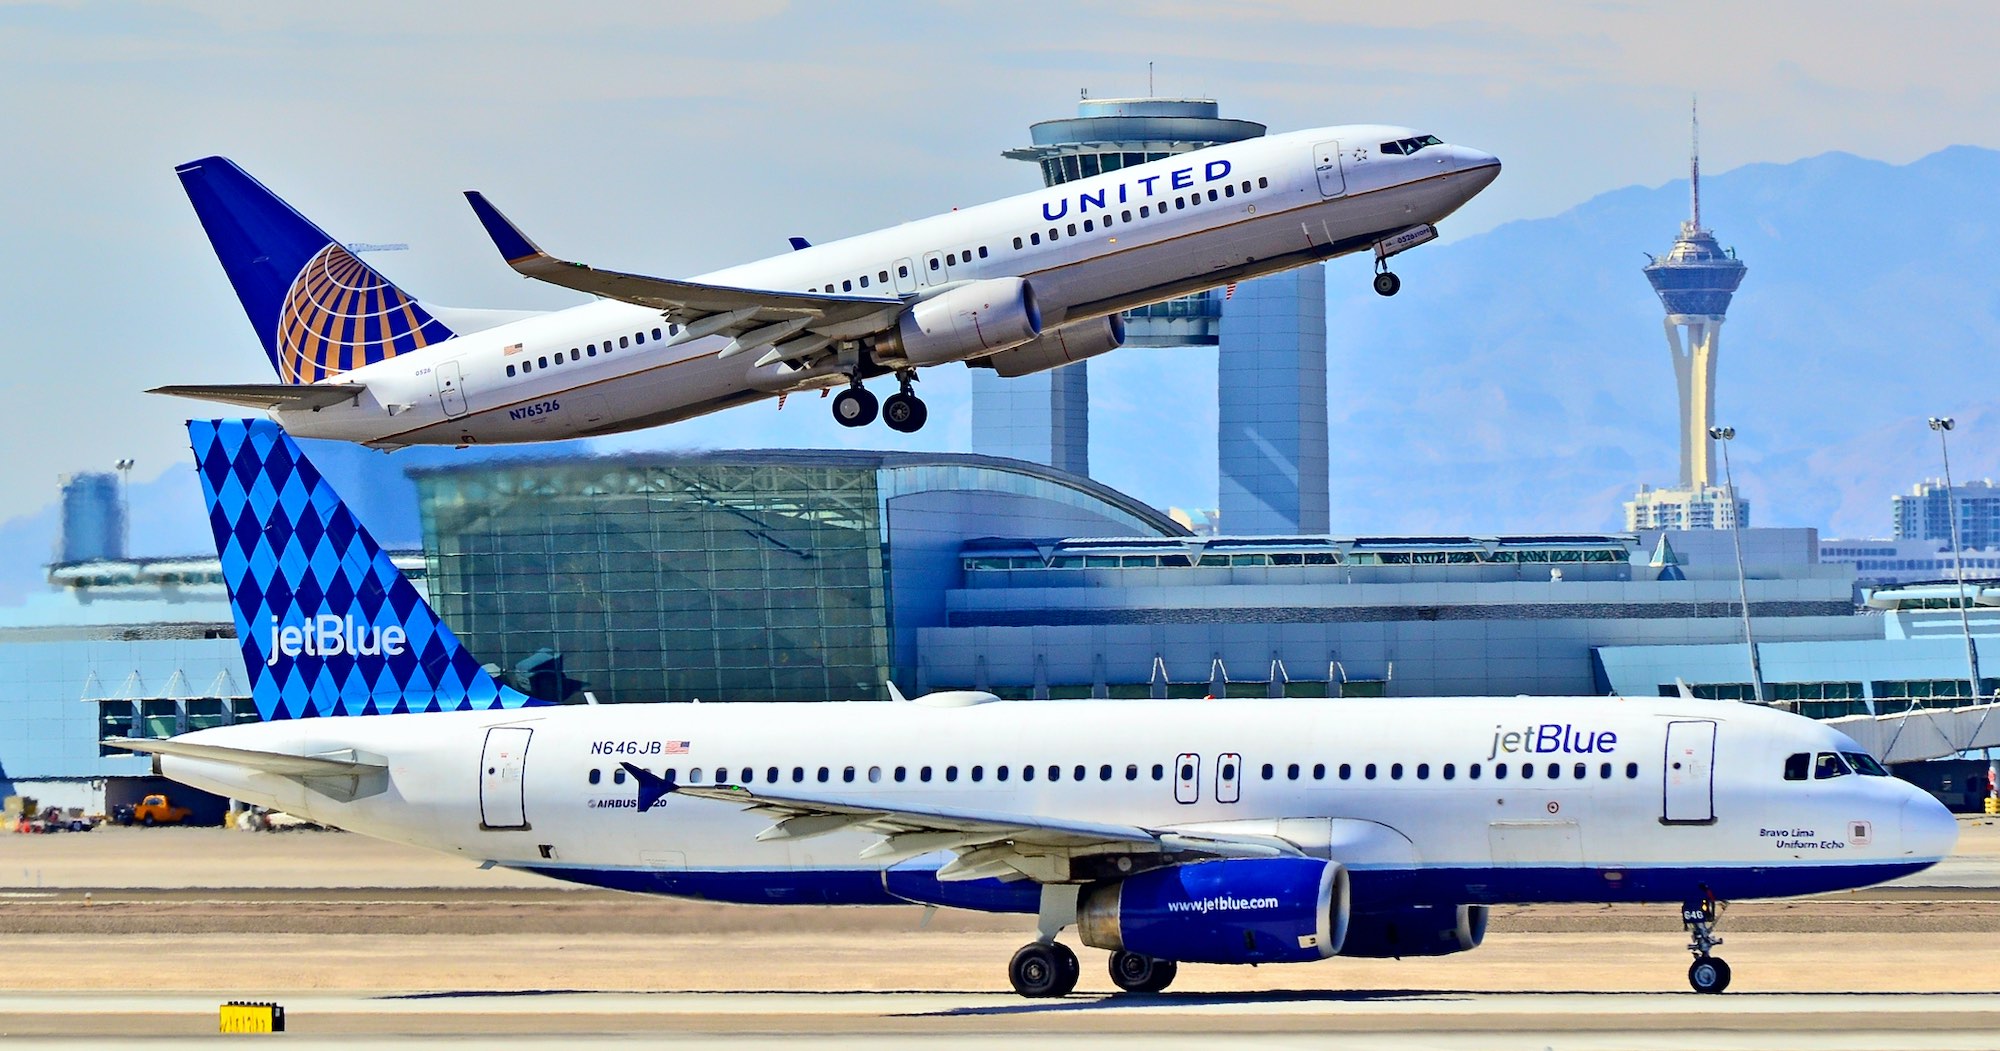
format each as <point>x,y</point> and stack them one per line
<point>1326,164</point>
<point>1228,777</point>
<point>906,277</point>
<point>1187,778</point>
<point>451,389</point>
<point>933,271</point>
<point>1689,794</point>
<point>502,789</point>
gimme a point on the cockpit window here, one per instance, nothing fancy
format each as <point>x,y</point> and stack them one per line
<point>1829,764</point>
<point>1865,764</point>
<point>1797,765</point>
<point>1404,147</point>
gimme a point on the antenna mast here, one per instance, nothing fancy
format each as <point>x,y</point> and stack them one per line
<point>1694,158</point>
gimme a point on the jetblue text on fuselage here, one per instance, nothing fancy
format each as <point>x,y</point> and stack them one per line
<point>1561,738</point>
<point>329,636</point>
<point>1136,189</point>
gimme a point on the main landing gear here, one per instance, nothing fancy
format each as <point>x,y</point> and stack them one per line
<point>1049,969</point>
<point>854,407</point>
<point>1044,969</point>
<point>903,411</point>
<point>1139,973</point>
<point>1708,974</point>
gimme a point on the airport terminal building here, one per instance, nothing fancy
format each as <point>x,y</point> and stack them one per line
<point>822,575</point>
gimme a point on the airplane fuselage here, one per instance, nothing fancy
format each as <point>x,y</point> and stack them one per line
<point>1466,801</point>
<point>1088,249</point>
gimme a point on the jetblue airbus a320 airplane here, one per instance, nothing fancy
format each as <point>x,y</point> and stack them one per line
<point>1222,832</point>
<point>1018,286</point>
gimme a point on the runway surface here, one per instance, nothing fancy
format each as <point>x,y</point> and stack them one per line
<point>1292,1019</point>
<point>128,934</point>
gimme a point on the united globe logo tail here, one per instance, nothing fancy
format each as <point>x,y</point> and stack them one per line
<point>318,310</point>
<point>327,623</point>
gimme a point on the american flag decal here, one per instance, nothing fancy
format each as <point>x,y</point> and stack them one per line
<point>511,348</point>
<point>677,747</point>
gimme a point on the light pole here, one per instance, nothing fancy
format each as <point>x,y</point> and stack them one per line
<point>124,466</point>
<point>1725,435</point>
<point>1941,424</point>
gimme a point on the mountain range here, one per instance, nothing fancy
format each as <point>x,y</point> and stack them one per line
<point>1519,383</point>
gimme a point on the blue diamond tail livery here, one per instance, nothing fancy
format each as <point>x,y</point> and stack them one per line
<point>1019,285</point>
<point>328,625</point>
<point>1163,832</point>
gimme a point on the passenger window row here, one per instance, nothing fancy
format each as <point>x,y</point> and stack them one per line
<point>901,774</point>
<point>1450,771</point>
<point>1056,233</point>
<point>1055,772</point>
<point>588,350</point>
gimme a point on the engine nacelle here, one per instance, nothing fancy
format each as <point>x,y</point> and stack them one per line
<point>1053,350</point>
<point>968,321</point>
<point>1236,910</point>
<point>1415,930</point>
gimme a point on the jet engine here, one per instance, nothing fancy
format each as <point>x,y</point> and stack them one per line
<point>1415,930</point>
<point>1235,910</point>
<point>1053,350</point>
<point>964,321</point>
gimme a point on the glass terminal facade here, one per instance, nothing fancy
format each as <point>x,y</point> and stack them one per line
<point>665,581</point>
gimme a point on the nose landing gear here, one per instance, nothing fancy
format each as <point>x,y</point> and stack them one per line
<point>1387,284</point>
<point>1701,916</point>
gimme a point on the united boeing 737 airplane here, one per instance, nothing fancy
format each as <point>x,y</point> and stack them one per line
<point>1020,285</point>
<point>1222,832</point>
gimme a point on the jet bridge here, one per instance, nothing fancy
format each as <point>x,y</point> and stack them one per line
<point>1923,733</point>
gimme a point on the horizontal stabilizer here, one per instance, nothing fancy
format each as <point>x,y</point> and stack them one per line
<point>267,395</point>
<point>280,763</point>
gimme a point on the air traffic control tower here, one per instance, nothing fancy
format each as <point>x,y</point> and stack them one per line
<point>1695,281</point>
<point>1272,449</point>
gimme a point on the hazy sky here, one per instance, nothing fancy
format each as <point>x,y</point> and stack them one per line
<point>675,139</point>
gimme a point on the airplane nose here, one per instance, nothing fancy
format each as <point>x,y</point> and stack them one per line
<point>1478,165</point>
<point>1928,829</point>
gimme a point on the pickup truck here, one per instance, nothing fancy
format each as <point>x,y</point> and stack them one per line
<point>156,810</point>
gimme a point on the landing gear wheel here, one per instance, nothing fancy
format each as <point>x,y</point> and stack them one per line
<point>1387,284</point>
<point>905,412</point>
<point>1708,974</point>
<point>854,407</point>
<point>1043,970</point>
<point>1139,973</point>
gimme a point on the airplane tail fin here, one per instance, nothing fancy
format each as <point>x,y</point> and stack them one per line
<point>327,623</point>
<point>318,309</point>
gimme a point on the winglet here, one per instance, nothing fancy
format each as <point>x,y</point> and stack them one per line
<point>652,787</point>
<point>514,245</point>
<point>894,693</point>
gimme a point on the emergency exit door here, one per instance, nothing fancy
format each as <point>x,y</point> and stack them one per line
<point>1689,794</point>
<point>1228,777</point>
<point>503,795</point>
<point>1187,778</point>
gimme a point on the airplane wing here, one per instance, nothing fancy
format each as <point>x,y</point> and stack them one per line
<point>757,318</point>
<point>988,844</point>
<point>268,395</point>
